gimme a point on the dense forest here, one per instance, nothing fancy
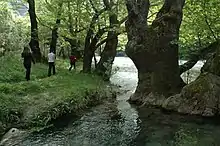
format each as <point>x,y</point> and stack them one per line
<point>154,34</point>
<point>89,27</point>
<point>198,27</point>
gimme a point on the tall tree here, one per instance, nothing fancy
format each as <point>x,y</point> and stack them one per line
<point>104,66</point>
<point>154,48</point>
<point>53,42</point>
<point>34,43</point>
<point>92,39</point>
<point>72,39</point>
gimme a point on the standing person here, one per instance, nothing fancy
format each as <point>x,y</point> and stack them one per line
<point>72,61</point>
<point>28,58</point>
<point>51,61</point>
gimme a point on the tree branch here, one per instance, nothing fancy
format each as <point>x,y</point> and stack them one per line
<point>169,11</point>
<point>107,39</point>
<point>210,28</point>
<point>97,38</point>
<point>195,57</point>
<point>93,6</point>
<point>123,20</point>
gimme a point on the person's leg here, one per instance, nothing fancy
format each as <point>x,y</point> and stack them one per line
<point>25,71</point>
<point>54,71</point>
<point>49,69</point>
<point>74,64</point>
<point>71,65</point>
<point>28,72</point>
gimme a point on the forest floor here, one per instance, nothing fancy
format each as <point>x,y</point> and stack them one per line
<point>37,103</point>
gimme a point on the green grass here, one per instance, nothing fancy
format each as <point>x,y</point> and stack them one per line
<point>43,99</point>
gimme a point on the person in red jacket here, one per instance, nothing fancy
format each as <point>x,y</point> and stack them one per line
<point>72,61</point>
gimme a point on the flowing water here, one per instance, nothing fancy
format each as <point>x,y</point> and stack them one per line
<point>132,126</point>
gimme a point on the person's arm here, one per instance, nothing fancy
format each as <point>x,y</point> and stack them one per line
<point>32,58</point>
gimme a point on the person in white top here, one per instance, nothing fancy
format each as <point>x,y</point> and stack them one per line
<point>51,62</point>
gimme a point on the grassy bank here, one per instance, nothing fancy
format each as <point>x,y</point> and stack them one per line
<point>43,99</point>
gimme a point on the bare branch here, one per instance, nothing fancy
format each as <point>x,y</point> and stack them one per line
<point>196,56</point>
<point>107,39</point>
<point>123,20</point>
<point>210,28</point>
<point>107,4</point>
<point>93,6</point>
<point>152,15</point>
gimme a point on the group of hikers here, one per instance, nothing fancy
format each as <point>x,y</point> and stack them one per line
<point>28,59</point>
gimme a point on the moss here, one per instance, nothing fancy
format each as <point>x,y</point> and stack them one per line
<point>201,85</point>
<point>184,137</point>
<point>43,99</point>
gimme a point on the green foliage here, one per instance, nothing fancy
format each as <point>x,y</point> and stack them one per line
<point>43,99</point>
<point>200,25</point>
<point>12,30</point>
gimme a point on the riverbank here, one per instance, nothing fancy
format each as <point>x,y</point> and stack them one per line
<point>136,126</point>
<point>36,104</point>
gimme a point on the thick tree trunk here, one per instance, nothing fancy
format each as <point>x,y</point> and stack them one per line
<point>74,46</point>
<point>89,52</point>
<point>104,67</point>
<point>91,42</point>
<point>34,43</point>
<point>53,42</point>
<point>90,47</point>
<point>154,49</point>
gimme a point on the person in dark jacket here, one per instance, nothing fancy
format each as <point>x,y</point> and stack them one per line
<point>72,61</point>
<point>28,58</point>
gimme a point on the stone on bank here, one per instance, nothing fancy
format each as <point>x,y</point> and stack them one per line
<point>201,97</point>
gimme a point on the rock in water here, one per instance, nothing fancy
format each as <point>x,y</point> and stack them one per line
<point>12,137</point>
<point>201,97</point>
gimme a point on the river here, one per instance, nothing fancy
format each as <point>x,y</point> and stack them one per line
<point>133,126</point>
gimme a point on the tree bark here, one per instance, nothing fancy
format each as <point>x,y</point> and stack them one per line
<point>104,66</point>
<point>34,43</point>
<point>53,42</point>
<point>154,48</point>
<point>89,53</point>
<point>91,42</point>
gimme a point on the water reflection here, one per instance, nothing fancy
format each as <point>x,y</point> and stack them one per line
<point>166,129</point>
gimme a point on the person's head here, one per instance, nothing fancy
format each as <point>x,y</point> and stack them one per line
<point>51,51</point>
<point>72,53</point>
<point>26,50</point>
